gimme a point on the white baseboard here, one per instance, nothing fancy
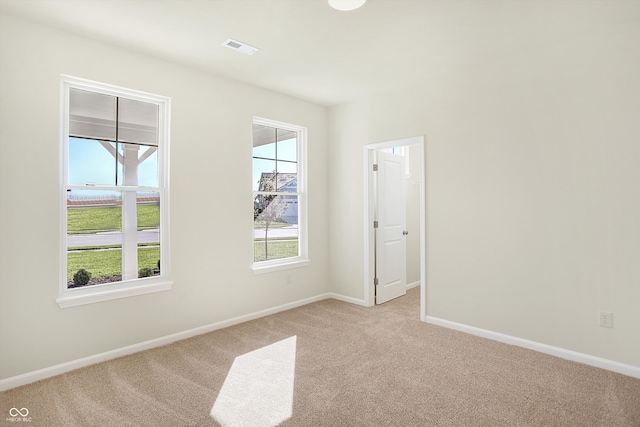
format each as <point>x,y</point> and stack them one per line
<point>347,299</point>
<point>413,285</point>
<point>41,374</point>
<point>610,365</point>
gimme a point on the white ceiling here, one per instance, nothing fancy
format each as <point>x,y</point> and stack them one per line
<point>313,52</point>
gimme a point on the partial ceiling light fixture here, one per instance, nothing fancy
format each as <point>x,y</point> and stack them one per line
<point>345,5</point>
<point>241,47</point>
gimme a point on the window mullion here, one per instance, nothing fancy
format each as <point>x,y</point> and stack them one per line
<point>117,140</point>
<point>276,147</point>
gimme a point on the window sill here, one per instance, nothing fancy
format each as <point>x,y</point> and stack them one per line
<point>98,293</point>
<point>269,266</point>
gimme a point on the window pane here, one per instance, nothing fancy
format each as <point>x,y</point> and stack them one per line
<point>92,115</point>
<point>267,151</point>
<point>138,165</point>
<point>287,150</point>
<point>137,121</point>
<point>148,168</point>
<point>283,134</point>
<point>91,162</point>
<point>94,236</point>
<point>287,182</point>
<point>263,135</point>
<point>275,227</point>
<point>148,215</point>
<point>263,175</point>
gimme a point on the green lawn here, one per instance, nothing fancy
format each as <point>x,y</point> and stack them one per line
<point>277,249</point>
<point>106,263</point>
<point>108,260</point>
<point>94,220</point>
<point>259,224</point>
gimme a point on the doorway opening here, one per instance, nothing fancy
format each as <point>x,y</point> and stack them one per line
<point>416,177</point>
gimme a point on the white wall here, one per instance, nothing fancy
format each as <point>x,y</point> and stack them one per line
<point>533,190</point>
<point>211,237</point>
<point>532,195</point>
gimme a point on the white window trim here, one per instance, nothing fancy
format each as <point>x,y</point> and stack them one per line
<point>97,293</point>
<point>302,259</point>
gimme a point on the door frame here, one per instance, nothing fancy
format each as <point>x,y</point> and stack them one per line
<point>369,200</point>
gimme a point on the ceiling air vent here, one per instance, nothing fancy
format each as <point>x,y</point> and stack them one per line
<point>241,47</point>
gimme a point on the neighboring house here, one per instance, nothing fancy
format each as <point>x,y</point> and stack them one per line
<point>286,183</point>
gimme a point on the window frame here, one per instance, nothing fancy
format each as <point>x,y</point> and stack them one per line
<point>301,158</point>
<point>70,297</point>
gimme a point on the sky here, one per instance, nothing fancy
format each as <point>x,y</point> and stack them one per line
<point>91,164</point>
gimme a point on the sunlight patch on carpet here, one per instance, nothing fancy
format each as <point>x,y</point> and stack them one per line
<point>258,390</point>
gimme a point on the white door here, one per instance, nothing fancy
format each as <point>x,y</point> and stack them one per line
<point>391,248</point>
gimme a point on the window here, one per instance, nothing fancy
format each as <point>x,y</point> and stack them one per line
<point>402,151</point>
<point>279,196</point>
<point>114,193</point>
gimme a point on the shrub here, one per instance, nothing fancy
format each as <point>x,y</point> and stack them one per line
<point>81,278</point>
<point>145,272</point>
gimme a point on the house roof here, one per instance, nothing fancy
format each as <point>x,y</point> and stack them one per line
<point>283,179</point>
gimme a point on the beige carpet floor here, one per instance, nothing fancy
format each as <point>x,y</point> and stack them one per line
<point>354,366</point>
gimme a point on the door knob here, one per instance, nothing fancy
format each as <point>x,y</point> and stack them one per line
<point>405,232</point>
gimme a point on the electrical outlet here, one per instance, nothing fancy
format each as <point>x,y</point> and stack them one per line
<point>606,319</point>
<point>288,279</point>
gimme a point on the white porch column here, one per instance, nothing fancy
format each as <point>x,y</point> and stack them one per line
<point>129,214</point>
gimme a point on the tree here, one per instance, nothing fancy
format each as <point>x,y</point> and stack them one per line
<point>268,207</point>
